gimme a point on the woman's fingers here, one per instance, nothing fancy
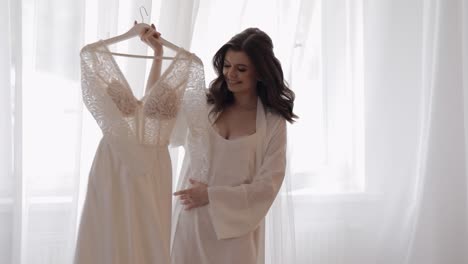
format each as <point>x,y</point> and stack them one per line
<point>149,32</point>
<point>147,28</point>
<point>184,194</point>
<point>157,34</point>
<point>186,199</point>
<point>193,197</point>
<point>150,36</point>
<point>181,192</point>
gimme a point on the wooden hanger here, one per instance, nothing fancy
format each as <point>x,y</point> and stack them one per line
<point>137,30</point>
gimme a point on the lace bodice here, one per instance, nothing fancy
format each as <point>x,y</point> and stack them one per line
<point>121,116</point>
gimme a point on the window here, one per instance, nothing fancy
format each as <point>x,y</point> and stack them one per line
<point>327,142</point>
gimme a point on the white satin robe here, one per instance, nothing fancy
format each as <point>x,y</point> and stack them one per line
<point>243,184</point>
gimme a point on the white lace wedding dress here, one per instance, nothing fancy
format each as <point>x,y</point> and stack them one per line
<point>127,212</point>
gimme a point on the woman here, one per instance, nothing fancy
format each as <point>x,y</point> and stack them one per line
<point>220,213</point>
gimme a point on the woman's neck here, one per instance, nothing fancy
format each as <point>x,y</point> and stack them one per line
<point>245,101</point>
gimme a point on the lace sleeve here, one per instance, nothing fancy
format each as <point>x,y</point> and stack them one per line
<point>102,95</point>
<point>195,110</point>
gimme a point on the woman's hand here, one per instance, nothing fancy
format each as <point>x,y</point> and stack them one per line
<point>151,37</point>
<point>194,197</point>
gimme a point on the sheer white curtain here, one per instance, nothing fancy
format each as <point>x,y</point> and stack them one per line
<point>377,158</point>
<point>47,139</point>
<point>402,195</point>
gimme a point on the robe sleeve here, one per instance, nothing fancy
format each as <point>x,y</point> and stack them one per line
<point>238,210</point>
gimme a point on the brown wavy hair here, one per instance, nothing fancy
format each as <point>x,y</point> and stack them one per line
<point>271,86</point>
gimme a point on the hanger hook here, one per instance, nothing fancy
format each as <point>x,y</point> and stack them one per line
<point>141,14</point>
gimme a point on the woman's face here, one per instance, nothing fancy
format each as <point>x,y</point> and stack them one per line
<point>239,72</point>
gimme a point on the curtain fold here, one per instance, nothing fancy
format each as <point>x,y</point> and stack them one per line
<point>11,182</point>
<point>440,231</point>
